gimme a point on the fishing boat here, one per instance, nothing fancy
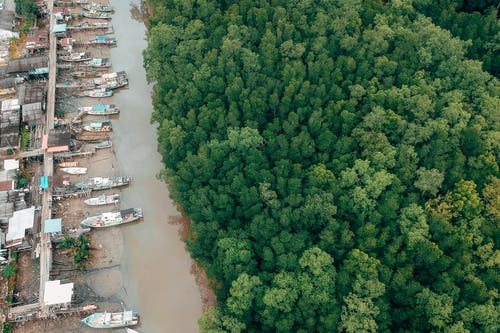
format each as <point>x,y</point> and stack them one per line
<point>112,80</point>
<point>103,183</point>
<point>98,93</point>
<point>76,57</point>
<point>111,320</point>
<point>100,109</point>
<point>129,330</point>
<point>99,63</point>
<point>112,219</point>
<point>97,7</point>
<point>74,170</point>
<point>89,26</point>
<point>67,164</point>
<point>103,126</point>
<point>102,40</point>
<point>103,200</point>
<point>103,144</point>
<point>94,14</point>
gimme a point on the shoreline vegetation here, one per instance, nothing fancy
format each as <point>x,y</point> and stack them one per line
<point>339,160</point>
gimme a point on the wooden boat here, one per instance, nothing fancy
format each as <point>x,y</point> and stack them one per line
<point>103,126</point>
<point>76,57</point>
<point>90,26</point>
<point>103,200</point>
<point>111,320</point>
<point>94,14</point>
<point>101,40</point>
<point>103,144</point>
<point>98,93</point>
<point>103,183</point>
<point>112,80</point>
<point>97,7</point>
<point>74,170</point>
<point>112,219</point>
<point>99,63</point>
<point>100,109</point>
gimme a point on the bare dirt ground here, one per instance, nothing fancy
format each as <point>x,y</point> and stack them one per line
<point>27,279</point>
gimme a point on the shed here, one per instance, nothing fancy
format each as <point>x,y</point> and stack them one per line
<point>57,293</point>
<point>32,113</point>
<point>58,141</point>
<point>52,225</point>
<point>18,223</point>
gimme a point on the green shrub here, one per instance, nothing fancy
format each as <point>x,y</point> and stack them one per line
<point>9,271</point>
<point>25,138</point>
<point>7,327</point>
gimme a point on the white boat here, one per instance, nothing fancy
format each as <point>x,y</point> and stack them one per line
<point>129,330</point>
<point>103,126</point>
<point>67,164</point>
<point>112,320</point>
<point>103,200</point>
<point>103,144</point>
<point>74,170</point>
<point>76,57</point>
<point>100,109</point>
<point>98,93</point>
<point>111,219</point>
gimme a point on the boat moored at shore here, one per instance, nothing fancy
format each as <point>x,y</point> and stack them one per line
<point>98,93</point>
<point>103,183</point>
<point>111,219</point>
<point>94,14</point>
<point>74,170</point>
<point>112,319</point>
<point>105,199</point>
<point>97,7</point>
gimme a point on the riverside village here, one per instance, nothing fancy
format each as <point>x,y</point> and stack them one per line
<point>59,180</point>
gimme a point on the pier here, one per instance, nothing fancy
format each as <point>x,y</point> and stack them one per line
<point>48,167</point>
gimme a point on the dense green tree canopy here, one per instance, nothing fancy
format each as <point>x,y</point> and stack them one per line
<point>339,160</point>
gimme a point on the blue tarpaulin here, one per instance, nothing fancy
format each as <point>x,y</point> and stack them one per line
<point>52,225</point>
<point>44,182</point>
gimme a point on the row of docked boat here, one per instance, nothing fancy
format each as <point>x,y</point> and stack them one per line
<point>103,88</point>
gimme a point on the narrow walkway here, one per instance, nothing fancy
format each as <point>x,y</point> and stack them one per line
<point>48,167</point>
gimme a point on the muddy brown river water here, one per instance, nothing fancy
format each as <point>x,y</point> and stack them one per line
<point>155,266</point>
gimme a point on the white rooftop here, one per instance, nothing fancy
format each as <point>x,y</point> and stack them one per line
<point>11,164</point>
<point>10,104</point>
<point>19,222</point>
<point>57,293</point>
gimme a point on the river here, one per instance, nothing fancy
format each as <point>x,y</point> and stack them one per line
<point>155,266</point>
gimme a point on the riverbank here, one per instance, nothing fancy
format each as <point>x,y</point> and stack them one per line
<point>142,266</point>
